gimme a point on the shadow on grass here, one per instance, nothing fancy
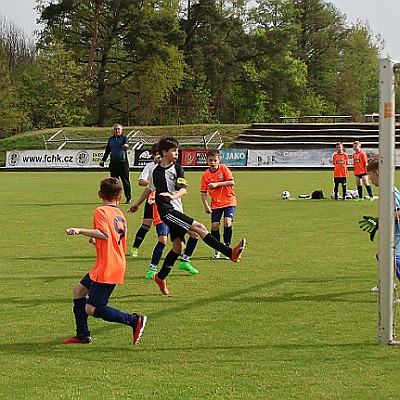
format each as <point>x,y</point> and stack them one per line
<point>56,204</point>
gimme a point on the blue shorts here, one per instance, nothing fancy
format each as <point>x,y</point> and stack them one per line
<point>228,212</point>
<point>99,293</point>
<point>162,229</point>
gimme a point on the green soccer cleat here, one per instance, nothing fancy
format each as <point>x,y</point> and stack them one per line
<point>185,266</point>
<point>359,199</point>
<point>150,273</point>
<point>371,199</point>
<point>134,252</point>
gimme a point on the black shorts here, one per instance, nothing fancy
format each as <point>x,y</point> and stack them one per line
<point>340,180</point>
<point>361,176</point>
<point>178,224</point>
<point>148,211</point>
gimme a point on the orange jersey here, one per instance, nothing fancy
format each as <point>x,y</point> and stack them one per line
<point>156,216</point>
<point>222,196</point>
<point>360,161</point>
<point>340,162</point>
<point>110,264</point>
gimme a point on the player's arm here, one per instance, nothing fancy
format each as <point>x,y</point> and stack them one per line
<point>92,233</point>
<point>214,185</point>
<point>180,193</point>
<point>135,206</point>
<point>106,153</point>
<point>204,200</point>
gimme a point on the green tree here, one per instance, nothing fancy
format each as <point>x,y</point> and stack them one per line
<point>357,82</point>
<point>10,113</point>
<point>115,41</point>
<point>52,90</point>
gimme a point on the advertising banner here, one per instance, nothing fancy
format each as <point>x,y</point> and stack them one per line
<point>230,157</point>
<point>302,158</point>
<point>57,158</point>
<point>234,157</point>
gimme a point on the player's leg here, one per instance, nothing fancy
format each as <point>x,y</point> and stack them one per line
<point>81,317</point>
<point>216,216</point>
<point>229,213</point>
<point>359,188</point>
<point>144,228</point>
<point>169,261</point>
<point>344,188</point>
<point>96,305</point>
<point>191,244</point>
<point>124,174</point>
<point>336,188</point>
<point>233,254</point>
<point>365,180</point>
<point>162,231</point>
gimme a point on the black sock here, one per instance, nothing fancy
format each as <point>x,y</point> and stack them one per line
<point>216,234</point>
<point>369,190</point>
<point>190,246</point>
<point>140,235</point>
<point>169,262</point>
<point>360,191</point>
<point>210,240</point>
<point>81,318</point>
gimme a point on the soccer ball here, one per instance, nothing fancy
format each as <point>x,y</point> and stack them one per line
<point>285,195</point>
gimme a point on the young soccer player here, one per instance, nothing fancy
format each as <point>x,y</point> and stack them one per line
<point>91,294</point>
<point>360,161</point>
<point>340,172</point>
<point>148,208</point>
<point>218,181</point>
<point>169,183</point>
<point>163,232</point>
<point>371,224</point>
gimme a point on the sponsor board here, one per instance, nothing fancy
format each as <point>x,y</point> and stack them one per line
<point>230,157</point>
<point>54,158</point>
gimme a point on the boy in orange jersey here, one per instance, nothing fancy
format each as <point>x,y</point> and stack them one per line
<point>340,172</point>
<point>91,294</point>
<point>218,181</point>
<point>360,171</point>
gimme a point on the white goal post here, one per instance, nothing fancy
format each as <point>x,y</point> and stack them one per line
<point>386,317</point>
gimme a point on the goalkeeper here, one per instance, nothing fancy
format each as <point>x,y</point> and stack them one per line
<point>371,224</point>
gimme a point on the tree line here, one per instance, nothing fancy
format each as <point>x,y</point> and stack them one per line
<point>152,61</point>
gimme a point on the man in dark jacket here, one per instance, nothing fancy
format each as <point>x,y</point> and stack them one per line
<point>117,147</point>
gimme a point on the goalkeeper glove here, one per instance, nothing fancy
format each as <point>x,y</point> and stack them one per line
<point>369,224</point>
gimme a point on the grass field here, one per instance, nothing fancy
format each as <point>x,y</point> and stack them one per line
<point>295,319</point>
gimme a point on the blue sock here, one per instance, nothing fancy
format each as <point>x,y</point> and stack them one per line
<point>216,235</point>
<point>369,190</point>
<point>227,235</point>
<point>360,191</point>
<point>190,246</point>
<point>113,315</point>
<point>81,318</point>
<point>157,253</point>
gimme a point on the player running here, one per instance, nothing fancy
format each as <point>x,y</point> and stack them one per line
<point>169,183</point>
<point>92,293</point>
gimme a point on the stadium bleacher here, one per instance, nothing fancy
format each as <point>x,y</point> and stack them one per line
<point>310,135</point>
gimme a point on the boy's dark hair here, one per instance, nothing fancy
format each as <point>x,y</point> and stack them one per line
<point>110,188</point>
<point>154,149</point>
<point>213,152</point>
<point>166,143</point>
<point>373,165</point>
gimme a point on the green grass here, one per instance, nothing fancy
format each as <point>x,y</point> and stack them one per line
<point>293,320</point>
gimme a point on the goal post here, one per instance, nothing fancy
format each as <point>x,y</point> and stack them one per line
<point>386,201</point>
